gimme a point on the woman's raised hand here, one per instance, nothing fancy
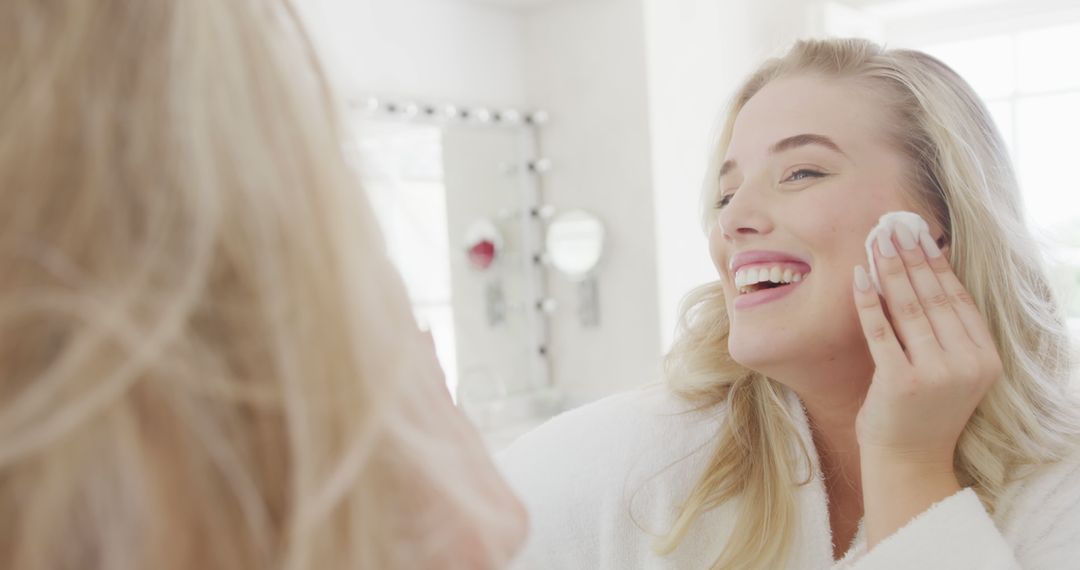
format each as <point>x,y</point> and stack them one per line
<point>933,353</point>
<point>934,362</point>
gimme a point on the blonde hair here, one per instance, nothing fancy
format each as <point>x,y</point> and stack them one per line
<point>960,174</point>
<point>206,359</point>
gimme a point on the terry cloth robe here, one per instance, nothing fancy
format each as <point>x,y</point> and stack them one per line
<point>601,481</point>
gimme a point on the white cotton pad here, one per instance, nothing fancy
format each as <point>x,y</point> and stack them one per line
<point>885,225</point>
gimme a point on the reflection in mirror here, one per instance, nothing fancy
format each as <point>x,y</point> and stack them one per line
<point>483,246</point>
<point>575,242</point>
<point>457,191</point>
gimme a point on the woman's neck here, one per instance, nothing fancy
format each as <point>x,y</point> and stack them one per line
<point>832,390</point>
<point>832,397</point>
<point>837,448</point>
<point>832,417</point>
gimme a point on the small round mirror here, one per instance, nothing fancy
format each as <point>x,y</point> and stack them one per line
<point>575,240</point>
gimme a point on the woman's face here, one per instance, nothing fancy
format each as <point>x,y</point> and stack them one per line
<point>806,176</point>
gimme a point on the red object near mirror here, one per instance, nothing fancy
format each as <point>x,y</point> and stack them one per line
<point>482,254</point>
<point>483,241</point>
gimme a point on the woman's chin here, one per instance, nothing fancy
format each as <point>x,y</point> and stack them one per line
<point>755,357</point>
<point>762,352</point>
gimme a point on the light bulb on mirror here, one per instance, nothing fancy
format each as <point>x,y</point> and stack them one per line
<point>538,117</point>
<point>483,115</point>
<point>511,117</point>
<point>540,165</point>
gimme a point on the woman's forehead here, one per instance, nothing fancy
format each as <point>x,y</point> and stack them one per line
<point>836,108</point>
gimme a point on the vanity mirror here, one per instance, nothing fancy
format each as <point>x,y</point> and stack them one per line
<point>458,191</point>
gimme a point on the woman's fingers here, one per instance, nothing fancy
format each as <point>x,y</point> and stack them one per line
<point>880,338</point>
<point>909,317</point>
<point>962,302</point>
<point>926,268</point>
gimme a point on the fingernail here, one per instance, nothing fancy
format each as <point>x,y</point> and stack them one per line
<point>862,281</point>
<point>929,245</point>
<point>884,242</point>
<point>907,240</point>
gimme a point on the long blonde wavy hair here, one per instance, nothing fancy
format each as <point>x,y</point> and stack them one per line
<point>206,359</point>
<point>961,173</point>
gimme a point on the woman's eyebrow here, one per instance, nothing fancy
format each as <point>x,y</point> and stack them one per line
<point>803,140</point>
<point>788,144</point>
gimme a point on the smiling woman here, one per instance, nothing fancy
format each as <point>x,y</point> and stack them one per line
<point>810,423</point>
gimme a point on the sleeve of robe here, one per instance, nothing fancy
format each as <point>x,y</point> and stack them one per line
<point>1040,531</point>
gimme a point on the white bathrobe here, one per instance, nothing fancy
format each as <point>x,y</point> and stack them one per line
<point>601,481</point>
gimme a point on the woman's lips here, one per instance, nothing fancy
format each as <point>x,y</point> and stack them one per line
<point>747,300</point>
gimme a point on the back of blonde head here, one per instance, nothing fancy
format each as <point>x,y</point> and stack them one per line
<point>960,174</point>
<point>205,357</point>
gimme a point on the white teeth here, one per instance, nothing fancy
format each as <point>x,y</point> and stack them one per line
<point>747,277</point>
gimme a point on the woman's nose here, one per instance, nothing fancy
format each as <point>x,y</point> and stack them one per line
<point>746,213</point>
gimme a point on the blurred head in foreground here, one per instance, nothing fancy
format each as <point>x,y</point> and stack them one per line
<point>206,360</point>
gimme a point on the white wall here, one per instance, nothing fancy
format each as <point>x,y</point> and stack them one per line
<point>585,63</point>
<point>434,50</point>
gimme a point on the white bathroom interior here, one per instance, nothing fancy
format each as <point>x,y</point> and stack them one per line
<point>536,164</point>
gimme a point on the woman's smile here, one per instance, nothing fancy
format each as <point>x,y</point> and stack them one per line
<point>762,293</point>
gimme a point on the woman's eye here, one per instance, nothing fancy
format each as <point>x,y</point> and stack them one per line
<point>802,174</point>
